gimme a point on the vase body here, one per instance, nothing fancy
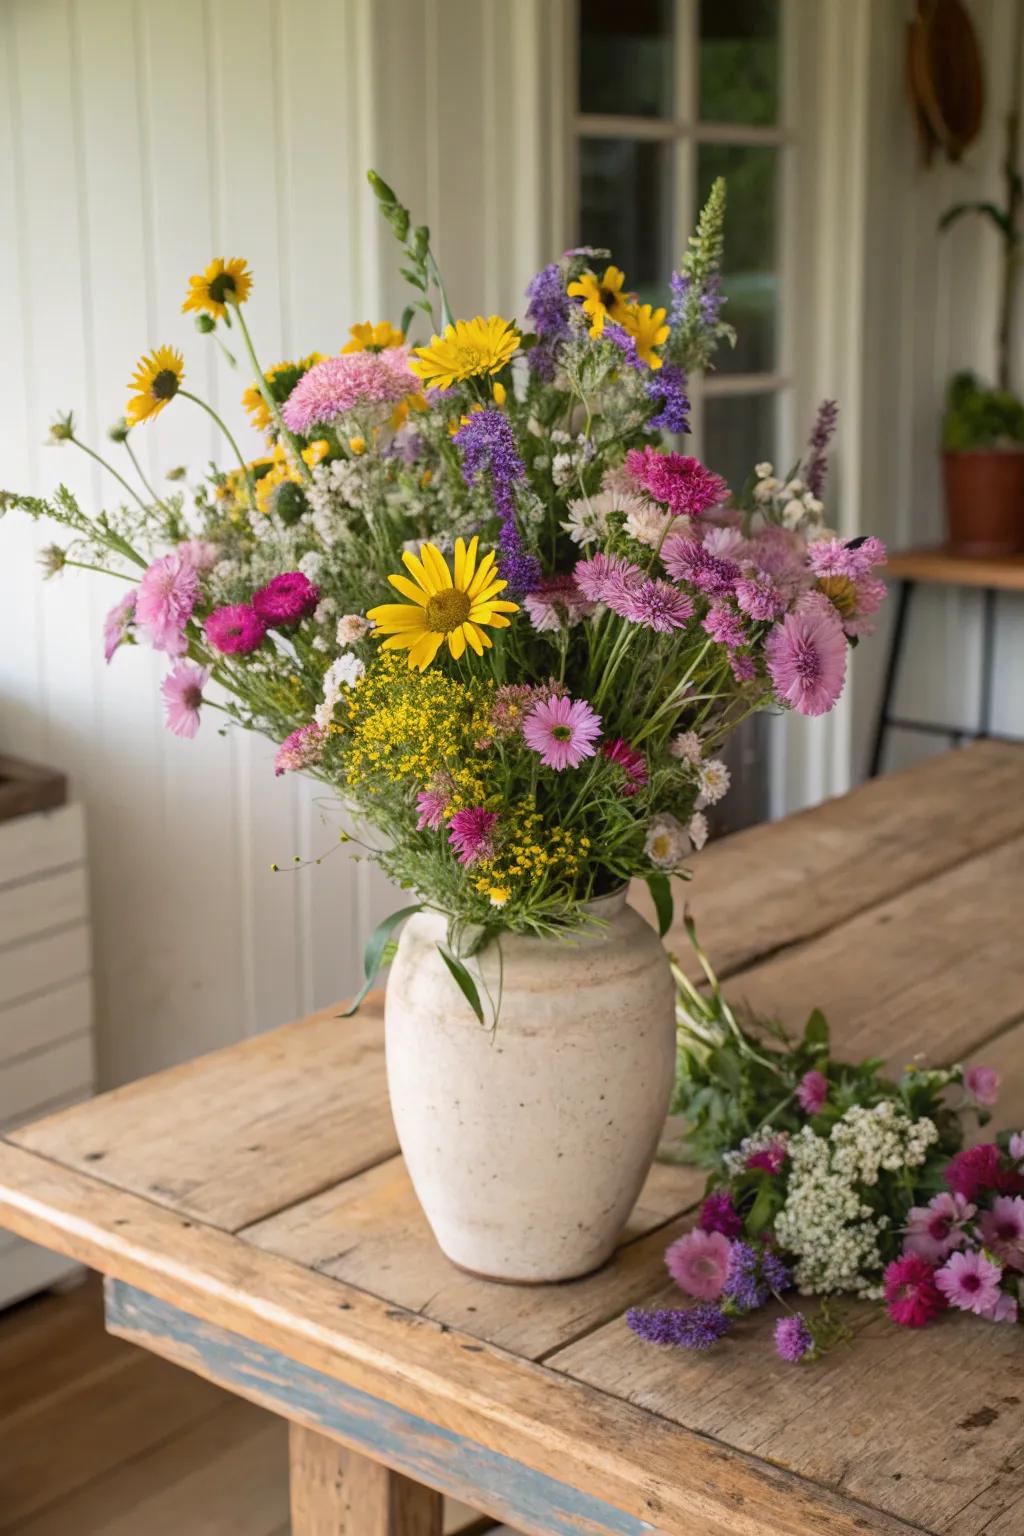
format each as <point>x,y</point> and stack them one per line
<point>985,502</point>
<point>528,1143</point>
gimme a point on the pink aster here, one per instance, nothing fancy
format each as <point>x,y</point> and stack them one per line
<point>182,691</point>
<point>471,833</point>
<point>1002,1229</point>
<point>563,731</point>
<point>935,1229</point>
<point>699,1263</point>
<point>831,557</point>
<point>202,554</point>
<point>433,802</point>
<point>760,597</point>
<point>593,576</point>
<point>1004,1309</point>
<point>168,592</point>
<point>779,552</point>
<point>340,384</point>
<point>913,1298</point>
<point>632,762</point>
<point>806,657</point>
<point>235,629</point>
<point>289,597</point>
<point>724,624</point>
<point>812,1091</point>
<point>743,668</point>
<point>688,560</point>
<point>686,486</point>
<point>557,603</point>
<point>299,750</point>
<point>657,605</point>
<point>982,1083</point>
<point>117,624</point>
<point>970,1282</point>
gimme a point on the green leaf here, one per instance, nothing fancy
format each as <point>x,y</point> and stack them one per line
<point>816,1032</point>
<point>381,188</point>
<point>762,1210</point>
<point>661,895</point>
<point>463,980</point>
<point>406,320</point>
<point>373,956</point>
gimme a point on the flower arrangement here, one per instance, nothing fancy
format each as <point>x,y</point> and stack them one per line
<point>838,1182</point>
<point>472,588</point>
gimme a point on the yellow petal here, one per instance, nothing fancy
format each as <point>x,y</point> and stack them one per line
<point>457,642</point>
<point>435,563</point>
<point>473,635</point>
<point>481,634</point>
<point>484,574</point>
<point>486,594</point>
<point>417,571</point>
<point>409,589</point>
<point>401,642</point>
<point>465,562</point>
<point>397,614</point>
<point>424,651</point>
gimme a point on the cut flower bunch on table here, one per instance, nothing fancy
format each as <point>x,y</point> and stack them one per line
<point>472,587</point>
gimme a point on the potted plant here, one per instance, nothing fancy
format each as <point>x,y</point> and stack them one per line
<point>983,468</point>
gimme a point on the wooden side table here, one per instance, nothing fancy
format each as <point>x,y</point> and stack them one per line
<point>938,567</point>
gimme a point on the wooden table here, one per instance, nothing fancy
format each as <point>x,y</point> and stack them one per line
<point>256,1225</point>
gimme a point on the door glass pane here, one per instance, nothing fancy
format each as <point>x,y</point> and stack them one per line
<point>739,431</point>
<point>739,61</point>
<point>626,57</point>
<point>625,206</point>
<point>749,279</point>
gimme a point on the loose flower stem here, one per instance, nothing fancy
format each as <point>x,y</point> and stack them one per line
<point>268,399</point>
<point>110,471</point>
<point>196,400</point>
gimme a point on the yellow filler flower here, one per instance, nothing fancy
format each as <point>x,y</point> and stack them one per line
<point>603,298</point>
<point>156,380</point>
<point>467,349</point>
<point>222,283</point>
<point>443,609</point>
<point>373,338</point>
<point>648,329</point>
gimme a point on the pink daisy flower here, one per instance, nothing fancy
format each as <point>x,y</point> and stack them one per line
<point>235,629</point>
<point>699,1263</point>
<point>632,762</point>
<point>117,624</point>
<point>339,384</point>
<point>982,1083</point>
<point>563,731</point>
<point>1004,1309</point>
<point>299,750</point>
<point>168,592</point>
<point>471,834</point>
<point>678,479</point>
<point>970,1282</point>
<point>831,557</point>
<point>935,1229</point>
<point>913,1299</point>
<point>290,596</point>
<point>182,691</point>
<point>657,605</point>
<point>812,1091</point>
<point>806,657</point>
<point>1002,1229</point>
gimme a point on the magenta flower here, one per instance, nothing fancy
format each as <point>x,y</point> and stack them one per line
<point>290,596</point>
<point>724,624</point>
<point>182,691</point>
<point>339,384</point>
<point>632,762</point>
<point>977,1170</point>
<point>793,1338</point>
<point>970,1282</point>
<point>301,749</point>
<point>699,1263</point>
<point>770,1158</point>
<point>471,834</point>
<point>718,1214</point>
<point>982,1083</point>
<point>433,802</point>
<point>812,1091</point>
<point>168,592</point>
<point>681,481</point>
<point>935,1229</point>
<point>656,604</point>
<point>913,1298</point>
<point>806,656</point>
<point>117,624</point>
<point>595,576</point>
<point>1002,1229</point>
<point>563,731</point>
<point>235,629</point>
<point>686,559</point>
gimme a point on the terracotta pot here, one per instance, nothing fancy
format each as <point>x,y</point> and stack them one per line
<point>528,1144</point>
<point>985,501</point>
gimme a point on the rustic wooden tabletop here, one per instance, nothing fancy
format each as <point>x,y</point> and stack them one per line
<point>256,1224</point>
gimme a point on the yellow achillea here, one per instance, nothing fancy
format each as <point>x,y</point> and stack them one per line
<point>467,350</point>
<point>156,380</point>
<point>603,298</point>
<point>531,852</point>
<point>222,283</point>
<point>648,329</point>
<point>443,608</point>
<point>373,338</point>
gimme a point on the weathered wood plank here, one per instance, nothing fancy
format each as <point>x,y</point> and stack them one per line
<point>337,1492</point>
<point>762,889</point>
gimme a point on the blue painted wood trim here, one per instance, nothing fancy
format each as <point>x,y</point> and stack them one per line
<point>423,1451</point>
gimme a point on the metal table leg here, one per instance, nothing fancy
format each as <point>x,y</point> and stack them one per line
<point>891,670</point>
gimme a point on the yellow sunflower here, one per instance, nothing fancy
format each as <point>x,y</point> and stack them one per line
<point>222,283</point>
<point>367,337</point>
<point>157,379</point>
<point>648,329</point>
<point>443,608</point>
<point>603,298</point>
<point>468,348</point>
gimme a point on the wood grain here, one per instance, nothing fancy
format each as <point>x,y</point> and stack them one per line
<point>938,566</point>
<point>337,1492</point>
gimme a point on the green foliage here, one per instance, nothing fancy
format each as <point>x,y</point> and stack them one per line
<point>977,417</point>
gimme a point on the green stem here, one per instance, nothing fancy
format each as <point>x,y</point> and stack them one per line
<point>138,470</point>
<point>196,400</point>
<point>110,471</point>
<point>84,565</point>
<point>268,399</point>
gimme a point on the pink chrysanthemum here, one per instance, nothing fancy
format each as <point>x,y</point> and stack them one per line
<point>657,605</point>
<point>117,624</point>
<point>632,762</point>
<point>982,1083</point>
<point>594,575</point>
<point>301,749</point>
<point>433,802</point>
<point>563,731</point>
<point>725,625</point>
<point>913,1298</point>
<point>168,592</point>
<point>760,597</point>
<point>339,384</point>
<point>743,668</point>
<point>1002,1229</point>
<point>289,597</point>
<point>235,629</point>
<point>831,557</point>
<point>557,603</point>
<point>686,486</point>
<point>812,1091</point>
<point>935,1229</point>
<point>687,560</point>
<point>202,554</point>
<point>182,691</point>
<point>471,833</point>
<point>970,1282</point>
<point>699,1263</point>
<point>806,657</point>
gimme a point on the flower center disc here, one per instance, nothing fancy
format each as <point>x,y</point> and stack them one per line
<point>221,286</point>
<point>447,610</point>
<point>164,385</point>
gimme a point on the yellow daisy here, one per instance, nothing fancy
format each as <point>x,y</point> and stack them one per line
<point>157,379</point>
<point>603,298</point>
<point>280,380</point>
<point>443,608</point>
<point>648,329</point>
<point>222,283</point>
<point>468,348</point>
<point>373,338</point>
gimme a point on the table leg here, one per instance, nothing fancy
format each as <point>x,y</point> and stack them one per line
<point>889,685</point>
<point>338,1492</point>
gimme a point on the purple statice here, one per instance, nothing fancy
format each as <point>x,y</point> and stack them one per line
<point>687,560</point>
<point>668,386</point>
<point>680,285</point>
<point>548,310</point>
<point>745,1285</point>
<point>759,596</point>
<point>718,1214</point>
<point>816,467</point>
<point>687,1327</point>
<point>710,299</point>
<point>626,344</point>
<point>489,447</point>
<point>656,604</point>
<point>777,1274</point>
<point>793,1338</point>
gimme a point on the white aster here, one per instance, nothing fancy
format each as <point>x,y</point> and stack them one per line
<point>646,521</point>
<point>764,470</point>
<point>667,843</point>
<point>698,830</point>
<point>352,628</point>
<point>714,780</point>
<point>685,745</point>
<point>342,673</point>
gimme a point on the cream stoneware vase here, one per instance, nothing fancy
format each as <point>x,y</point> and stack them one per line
<point>527,1144</point>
